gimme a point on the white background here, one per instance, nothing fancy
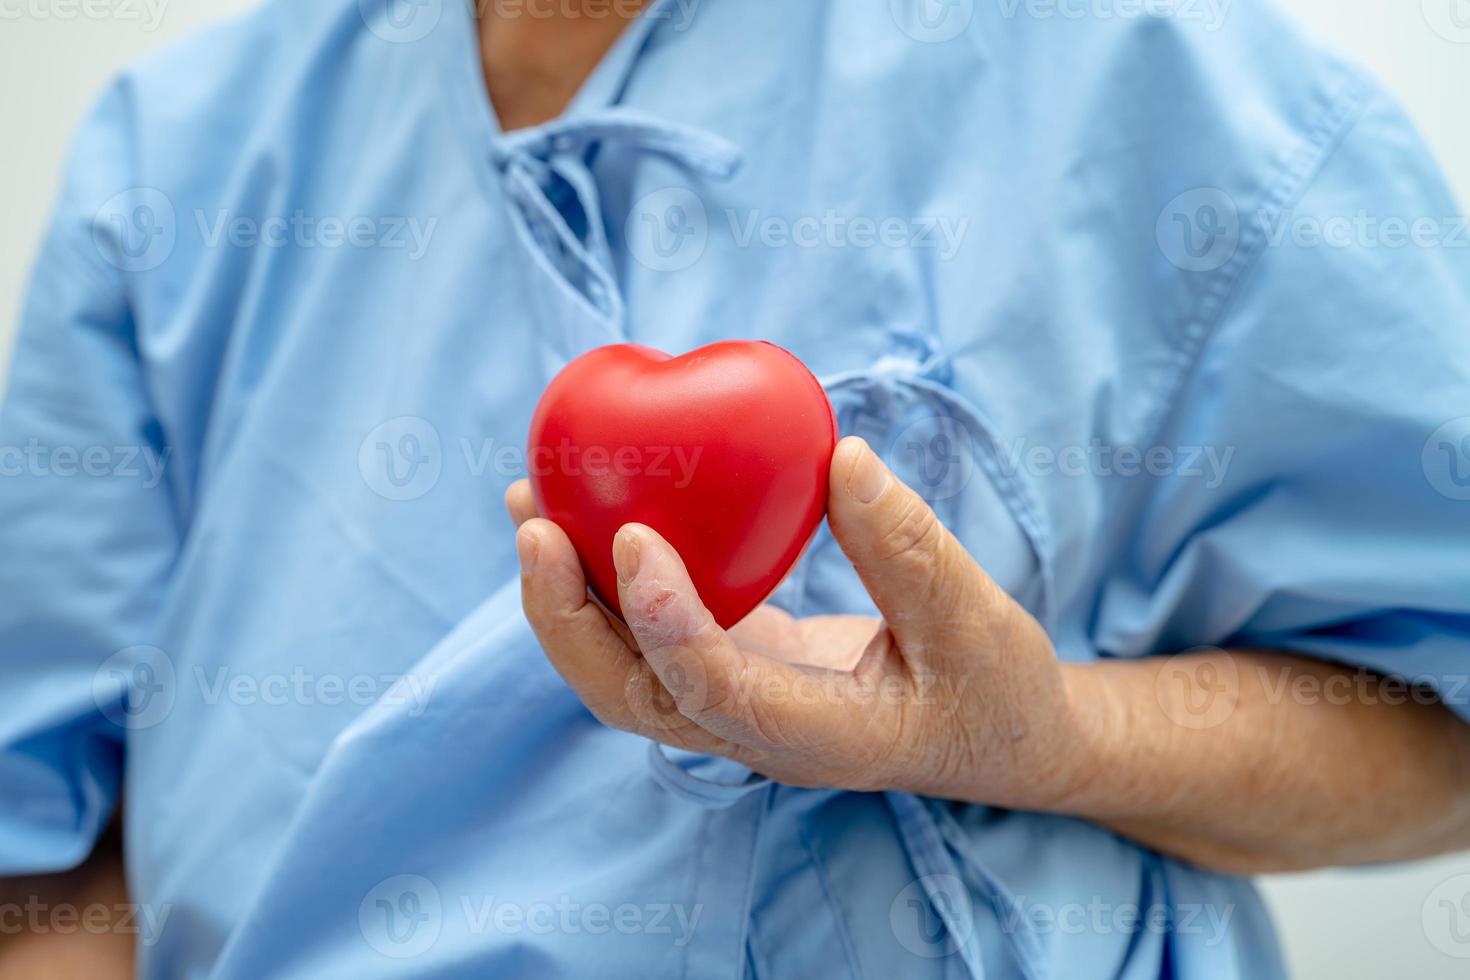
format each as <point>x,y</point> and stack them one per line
<point>1344,925</point>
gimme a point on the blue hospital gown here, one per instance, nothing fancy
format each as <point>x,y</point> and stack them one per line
<point>1164,309</point>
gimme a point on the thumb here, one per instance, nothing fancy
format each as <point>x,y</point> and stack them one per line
<point>712,681</point>
<point>921,578</point>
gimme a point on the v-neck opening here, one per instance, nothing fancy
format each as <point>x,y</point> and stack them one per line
<point>476,114</point>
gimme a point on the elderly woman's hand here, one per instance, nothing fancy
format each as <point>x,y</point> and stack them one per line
<point>957,692</point>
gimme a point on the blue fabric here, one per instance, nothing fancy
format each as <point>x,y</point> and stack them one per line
<point>300,295</point>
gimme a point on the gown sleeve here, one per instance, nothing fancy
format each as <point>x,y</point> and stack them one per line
<point>1327,510</point>
<point>88,523</point>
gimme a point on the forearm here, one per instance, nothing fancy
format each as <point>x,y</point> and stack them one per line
<point>1294,764</point>
<point>76,924</point>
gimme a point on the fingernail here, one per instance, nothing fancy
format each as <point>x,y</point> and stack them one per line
<point>868,479</point>
<point>528,546</point>
<point>625,556</point>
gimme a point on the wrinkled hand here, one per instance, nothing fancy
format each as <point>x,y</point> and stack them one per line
<point>956,693</point>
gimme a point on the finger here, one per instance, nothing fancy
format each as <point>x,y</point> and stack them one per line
<point>920,577</point>
<point>575,634</point>
<point>737,695</point>
<point>587,647</point>
<point>520,502</point>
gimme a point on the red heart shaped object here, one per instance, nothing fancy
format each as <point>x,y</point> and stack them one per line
<point>724,451</point>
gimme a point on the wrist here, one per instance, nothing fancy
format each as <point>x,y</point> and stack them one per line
<point>1096,722</point>
<point>1072,758</point>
